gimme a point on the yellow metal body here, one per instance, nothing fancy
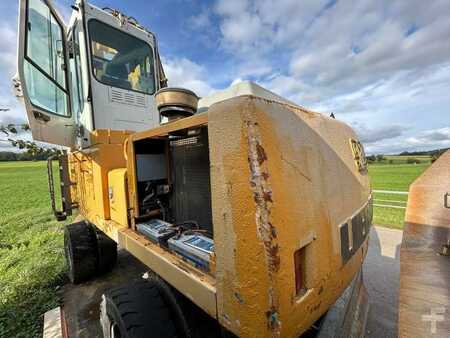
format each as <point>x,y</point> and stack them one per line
<point>118,196</point>
<point>283,180</point>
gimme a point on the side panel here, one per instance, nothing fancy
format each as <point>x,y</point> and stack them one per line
<point>274,170</point>
<point>90,168</point>
<point>118,196</point>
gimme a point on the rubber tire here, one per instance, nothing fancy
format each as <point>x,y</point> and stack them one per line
<point>107,253</point>
<point>80,246</point>
<point>140,310</point>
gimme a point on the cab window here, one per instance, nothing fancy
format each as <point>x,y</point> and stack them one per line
<point>121,60</point>
<point>44,65</point>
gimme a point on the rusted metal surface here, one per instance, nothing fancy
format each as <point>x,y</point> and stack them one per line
<point>424,302</point>
<point>274,191</point>
<point>262,194</point>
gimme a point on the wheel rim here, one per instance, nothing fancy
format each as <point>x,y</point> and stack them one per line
<point>115,331</point>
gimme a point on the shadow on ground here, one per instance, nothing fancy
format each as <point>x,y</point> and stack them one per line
<point>382,280</point>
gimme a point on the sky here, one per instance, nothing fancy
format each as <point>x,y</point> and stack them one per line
<point>381,66</point>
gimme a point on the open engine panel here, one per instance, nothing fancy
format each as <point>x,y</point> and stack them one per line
<point>174,194</point>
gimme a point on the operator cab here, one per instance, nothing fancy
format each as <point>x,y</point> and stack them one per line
<point>100,72</point>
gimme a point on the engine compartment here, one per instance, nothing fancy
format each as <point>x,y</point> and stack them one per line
<point>174,194</point>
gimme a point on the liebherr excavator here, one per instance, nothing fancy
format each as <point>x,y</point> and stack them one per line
<point>246,207</point>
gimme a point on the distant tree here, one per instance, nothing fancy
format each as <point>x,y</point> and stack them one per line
<point>32,151</point>
<point>380,158</point>
<point>411,160</point>
<point>8,156</point>
<point>371,158</point>
<point>391,161</point>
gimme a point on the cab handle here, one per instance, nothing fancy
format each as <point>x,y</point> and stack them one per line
<point>41,117</point>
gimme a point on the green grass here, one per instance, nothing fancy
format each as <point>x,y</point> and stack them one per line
<point>31,249</point>
<point>395,177</point>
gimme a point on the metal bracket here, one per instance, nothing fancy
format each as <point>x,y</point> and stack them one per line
<point>446,200</point>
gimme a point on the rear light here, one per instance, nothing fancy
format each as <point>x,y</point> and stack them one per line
<point>300,271</point>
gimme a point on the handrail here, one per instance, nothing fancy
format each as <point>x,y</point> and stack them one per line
<point>66,200</point>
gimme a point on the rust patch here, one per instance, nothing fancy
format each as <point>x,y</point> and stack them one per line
<point>267,195</point>
<point>262,195</point>
<point>272,319</point>
<point>261,153</point>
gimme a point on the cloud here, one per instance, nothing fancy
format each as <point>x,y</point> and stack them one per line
<point>429,139</point>
<point>438,137</point>
<point>185,73</point>
<point>373,135</point>
<point>337,46</point>
<point>8,52</point>
<point>201,21</point>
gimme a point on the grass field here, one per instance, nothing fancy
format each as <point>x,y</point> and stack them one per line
<point>394,177</point>
<point>31,249</point>
<point>31,242</point>
<point>397,159</point>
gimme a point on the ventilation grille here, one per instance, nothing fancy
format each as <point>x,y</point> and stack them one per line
<point>184,141</point>
<point>125,97</point>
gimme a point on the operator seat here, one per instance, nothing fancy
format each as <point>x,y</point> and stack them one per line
<point>116,75</point>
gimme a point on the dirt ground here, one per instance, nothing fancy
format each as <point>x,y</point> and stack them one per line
<point>381,275</point>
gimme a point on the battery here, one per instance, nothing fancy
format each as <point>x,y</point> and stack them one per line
<point>156,230</point>
<point>195,248</point>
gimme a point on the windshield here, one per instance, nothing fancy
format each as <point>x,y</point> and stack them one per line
<point>121,60</point>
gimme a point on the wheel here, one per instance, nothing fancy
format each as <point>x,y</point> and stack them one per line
<point>80,246</point>
<point>142,309</point>
<point>107,253</point>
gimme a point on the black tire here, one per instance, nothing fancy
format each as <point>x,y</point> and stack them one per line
<point>80,246</point>
<point>142,309</point>
<point>107,253</point>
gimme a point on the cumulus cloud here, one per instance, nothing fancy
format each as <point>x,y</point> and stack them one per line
<point>188,74</point>
<point>440,137</point>
<point>200,21</point>
<point>8,57</point>
<point>416,141</point>
<point>372,135</point>
<point>338,46</point>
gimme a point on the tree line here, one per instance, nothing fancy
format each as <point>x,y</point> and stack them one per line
<point>28,150</point>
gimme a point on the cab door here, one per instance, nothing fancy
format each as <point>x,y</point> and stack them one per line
<point>43,73</point>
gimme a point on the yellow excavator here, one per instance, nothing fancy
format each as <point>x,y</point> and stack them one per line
<point>251,212</point>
